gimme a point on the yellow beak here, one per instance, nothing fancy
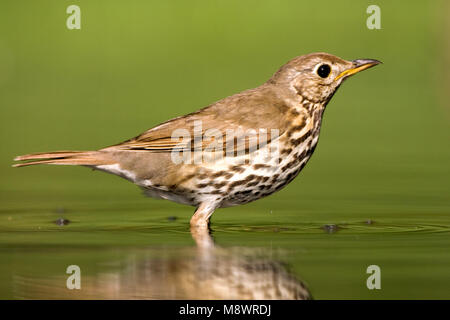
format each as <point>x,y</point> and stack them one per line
<point>358,65</point>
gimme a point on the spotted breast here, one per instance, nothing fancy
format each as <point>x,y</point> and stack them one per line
<point>242,179</point>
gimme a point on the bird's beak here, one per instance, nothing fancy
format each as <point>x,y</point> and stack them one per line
<point>358,65</point>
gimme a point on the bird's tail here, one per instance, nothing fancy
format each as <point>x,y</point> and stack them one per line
<point>83,158</point>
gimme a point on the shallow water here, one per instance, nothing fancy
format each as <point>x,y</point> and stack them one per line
<point>149,253</point>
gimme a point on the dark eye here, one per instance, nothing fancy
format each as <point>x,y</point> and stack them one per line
<point>324,70</point>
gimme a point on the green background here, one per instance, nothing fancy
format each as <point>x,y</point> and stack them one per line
<point>383,153</point>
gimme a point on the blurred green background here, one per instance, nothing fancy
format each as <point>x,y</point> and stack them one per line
<point>383,153</point>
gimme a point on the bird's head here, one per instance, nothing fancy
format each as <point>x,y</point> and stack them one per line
<point>317,76</point>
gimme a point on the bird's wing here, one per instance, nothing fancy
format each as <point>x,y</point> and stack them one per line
<point>245,121</point>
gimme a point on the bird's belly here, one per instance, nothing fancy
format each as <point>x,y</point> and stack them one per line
<point>178,197</point>
<point>262,186</point>
<point>261,180</point>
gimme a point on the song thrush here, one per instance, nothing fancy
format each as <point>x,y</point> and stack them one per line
<point>223,155</point>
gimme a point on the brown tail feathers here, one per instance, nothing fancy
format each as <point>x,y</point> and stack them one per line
<point>86,158</point>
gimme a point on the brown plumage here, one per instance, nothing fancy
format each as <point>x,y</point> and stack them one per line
<point>223,155</point>
<point>91,158</point>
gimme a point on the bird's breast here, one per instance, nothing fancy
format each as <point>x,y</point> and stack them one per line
<point>263,178</point>
<point>235,180</point>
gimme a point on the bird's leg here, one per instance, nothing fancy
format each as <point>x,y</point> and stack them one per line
<point>202,214</point>
<point>202,237</point>
<point>200,225</point>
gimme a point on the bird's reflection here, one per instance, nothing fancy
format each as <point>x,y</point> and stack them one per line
<point>206,271</point>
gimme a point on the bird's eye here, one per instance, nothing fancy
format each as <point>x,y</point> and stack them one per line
<point>324,70</point>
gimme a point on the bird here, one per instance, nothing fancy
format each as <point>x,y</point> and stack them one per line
<point>232,152</point>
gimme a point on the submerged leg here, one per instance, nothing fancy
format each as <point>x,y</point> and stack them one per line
<point>202,237</point>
